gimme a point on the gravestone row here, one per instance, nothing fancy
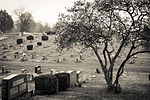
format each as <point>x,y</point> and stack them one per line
<point>15,86</point>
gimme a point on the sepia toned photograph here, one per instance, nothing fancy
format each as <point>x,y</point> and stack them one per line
<point>74,49</point>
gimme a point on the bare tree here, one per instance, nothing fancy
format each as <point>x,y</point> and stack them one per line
<point>25,19</point>
<point>115,25</point>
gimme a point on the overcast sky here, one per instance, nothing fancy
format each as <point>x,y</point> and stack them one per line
<point>42,10</point>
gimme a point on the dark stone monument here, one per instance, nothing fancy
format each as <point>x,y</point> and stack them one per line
<point>19,41</point>
<point>46,84</point>
<point>45,38</point>
<point>63,81</point>
<point>97,71</point>
<point>14,86</point>
<point>29,47</point>
<point>38,69</point>
<point>39,43</point>
<point>30,37</point>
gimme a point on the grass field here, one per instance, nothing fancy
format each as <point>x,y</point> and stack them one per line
<point>135,83</point>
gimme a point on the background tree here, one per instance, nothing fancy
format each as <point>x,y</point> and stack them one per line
<point>25,19</point>
<point>117,26</point>
<point>46,27</point>
<point>6,22</point>
<point>38,27</point>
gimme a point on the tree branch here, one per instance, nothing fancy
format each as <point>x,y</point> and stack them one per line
<point>104,53</point>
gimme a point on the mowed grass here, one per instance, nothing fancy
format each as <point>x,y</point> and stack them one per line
<point>135,83</point>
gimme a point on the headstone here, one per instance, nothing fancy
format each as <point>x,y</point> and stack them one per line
<point>63,81</point>
<point>58,60</point>
<point>24,57</point>
<point>4,57</point>
<point>21,45</point>
<point>39,43</point>
<point>5,70</point>
<point>81,57</point>
<point>45,38</point>
<point>149,77</point>
<point>19,41</point>
<point>30,77</point>
<point>73,78</point>
<point>14,86</point>
<point>24,70</point>
<point>30,37</point>
<point>132,61</point>
<point>14,48</point>
<point>53,71</point>
<point>29,47</point>
<point>38,69</point>
<point>71,55</point>
<point>11,45</point>
<point>44,58</point>
<point>15,56</point>
<point>77,60</point>
<point>46,84</point>
<point>33,55</point>
<point>79,77</point>
<point>5,47</point>
<point>97,71</point>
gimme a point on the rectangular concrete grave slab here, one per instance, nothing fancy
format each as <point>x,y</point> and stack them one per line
<point>14,86</point>
<point>73,78</point>
<point>79,76</point>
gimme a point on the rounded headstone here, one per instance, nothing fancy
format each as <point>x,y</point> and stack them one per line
<point>29,47</point>
<point>39,43</point>
<point>30,37</point>
<point>19,41</point>
<point>45,38</point>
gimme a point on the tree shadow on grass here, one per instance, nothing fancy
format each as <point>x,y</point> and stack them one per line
<point>94,93</point>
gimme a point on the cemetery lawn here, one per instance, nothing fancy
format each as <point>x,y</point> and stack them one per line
<point>134,82</point>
